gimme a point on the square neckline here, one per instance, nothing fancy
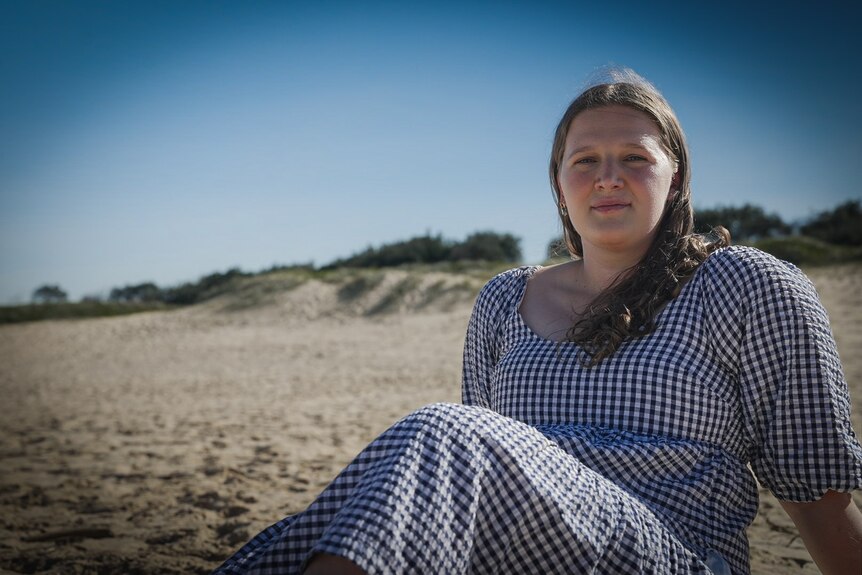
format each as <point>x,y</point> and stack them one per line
<point>531,271</point>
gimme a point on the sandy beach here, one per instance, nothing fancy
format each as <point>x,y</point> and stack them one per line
<point>158,443</point>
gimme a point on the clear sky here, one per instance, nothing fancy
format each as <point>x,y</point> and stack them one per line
<point>162,141</point>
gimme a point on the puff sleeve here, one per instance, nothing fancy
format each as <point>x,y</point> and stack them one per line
<point>497,298</point>
<point>794,400</point>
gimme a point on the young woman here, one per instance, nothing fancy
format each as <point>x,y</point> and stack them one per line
<point>612,404</point>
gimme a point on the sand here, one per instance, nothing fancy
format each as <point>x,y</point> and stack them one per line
<point>160,442</point>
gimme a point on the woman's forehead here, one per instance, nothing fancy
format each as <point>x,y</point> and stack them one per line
<point>613,123</point>
<point>613,118</point>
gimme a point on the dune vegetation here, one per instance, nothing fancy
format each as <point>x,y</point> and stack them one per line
<point>829,238</point>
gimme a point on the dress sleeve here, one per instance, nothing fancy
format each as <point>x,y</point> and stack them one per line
<point>795,400</point>
<point>482,339</point>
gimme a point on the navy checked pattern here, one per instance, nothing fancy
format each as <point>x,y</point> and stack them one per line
<point>637,465</point>
<point>461,489</point>
<point>741,370</point>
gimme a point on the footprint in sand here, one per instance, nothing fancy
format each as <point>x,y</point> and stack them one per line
<point>234,510</point>
<point>168,538</point>
<point>210,500</point>
<point>233,532</point>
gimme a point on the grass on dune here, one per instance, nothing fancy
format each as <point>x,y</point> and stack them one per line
<point>69,310</point>
<point>255,289</point>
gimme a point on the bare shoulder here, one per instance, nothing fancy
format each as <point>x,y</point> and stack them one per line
<point>553,300</point>
<point>552,281</point>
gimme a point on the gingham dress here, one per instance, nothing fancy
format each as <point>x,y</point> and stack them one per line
<point>637,465</point>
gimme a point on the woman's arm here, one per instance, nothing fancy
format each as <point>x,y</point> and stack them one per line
<point>496,300</point>
<point>831,528</point>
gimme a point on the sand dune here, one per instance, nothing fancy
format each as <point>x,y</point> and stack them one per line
<point>159,442</point>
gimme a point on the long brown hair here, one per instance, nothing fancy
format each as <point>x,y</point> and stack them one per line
<point>628,308</point>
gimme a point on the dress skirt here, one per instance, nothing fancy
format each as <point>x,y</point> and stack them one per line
<point>462,489</point>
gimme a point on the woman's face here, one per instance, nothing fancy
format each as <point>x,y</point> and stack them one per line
<point>615,179</point>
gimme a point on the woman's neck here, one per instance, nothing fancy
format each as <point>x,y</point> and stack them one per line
<point>601,268</point>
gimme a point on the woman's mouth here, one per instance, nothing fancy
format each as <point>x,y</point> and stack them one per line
<point>610,207</point>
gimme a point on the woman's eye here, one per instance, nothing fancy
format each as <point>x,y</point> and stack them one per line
<point>635,158</point>
<point>585,161</point>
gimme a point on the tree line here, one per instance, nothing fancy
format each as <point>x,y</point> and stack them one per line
<point>750,224</point>
<point>841,226</point>
<point>427,249</point>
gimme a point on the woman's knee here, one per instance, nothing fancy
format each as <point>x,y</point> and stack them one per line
<point>442,418</point>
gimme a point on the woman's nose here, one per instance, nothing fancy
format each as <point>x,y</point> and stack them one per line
<point>608,176</point>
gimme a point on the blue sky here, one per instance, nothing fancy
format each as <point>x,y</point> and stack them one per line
<point>162,141</point>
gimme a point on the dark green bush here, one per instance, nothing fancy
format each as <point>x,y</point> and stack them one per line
<point>804,251</point>
<point>745,223</point>
<point>145,292</point>
<point>49,294</point>
<point>205,288</point>
<point>842,226</point>
<point>489,247</point>
<point>428,249</point>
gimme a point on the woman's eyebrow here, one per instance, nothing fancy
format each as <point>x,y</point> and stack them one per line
<point>589,147</point>
<point>578,150</point>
